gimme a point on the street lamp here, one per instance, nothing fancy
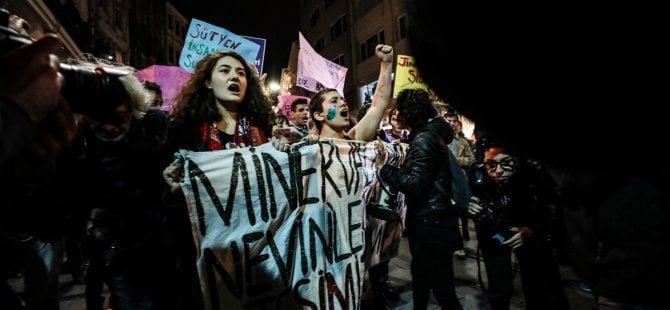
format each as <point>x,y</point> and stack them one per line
<point>274,87</point>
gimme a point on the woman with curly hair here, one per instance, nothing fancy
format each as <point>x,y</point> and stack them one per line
<point>425,179</point>
<point>221,106</point>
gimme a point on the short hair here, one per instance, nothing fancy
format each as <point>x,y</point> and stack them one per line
<point>298,101</point>
<point>153,87</point>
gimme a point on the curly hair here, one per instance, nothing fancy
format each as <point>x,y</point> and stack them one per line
<point>415,107</point>
<point>196,103</point>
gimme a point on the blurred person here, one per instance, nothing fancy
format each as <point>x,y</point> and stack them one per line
<point>393,133</point>
<point>425,179</point>
<point>513,209</point>
<point>36,125</point>
<point>155,94</point>
<point>465,157</point>
<point>565,95</point>
<point>30,84</point>
<point>330,113</point>
<point>120,182</point>
<point>154,100</point>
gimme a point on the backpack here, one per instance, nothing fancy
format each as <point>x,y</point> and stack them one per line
<point>460,188</point>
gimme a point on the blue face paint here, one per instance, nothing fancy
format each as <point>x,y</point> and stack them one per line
<point>331,112</point>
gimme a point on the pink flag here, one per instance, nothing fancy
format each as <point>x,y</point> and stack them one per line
<point>285,103</point>
<point>316,72</point>
<point>170,78</point>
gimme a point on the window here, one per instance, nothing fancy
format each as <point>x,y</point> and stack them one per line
<point>368,47</point>
<point>339,60</point>
<point>314,18</point>
<point>338,28</point>
<point>402,26</point>
<point>318,45</point>
<point>364,6</point>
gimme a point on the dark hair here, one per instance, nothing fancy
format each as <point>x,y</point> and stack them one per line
<point>450,114</point>
<point>153,87</point>
<point>316,106</point>
<point>415,107</point>
<point>486,140</point>
<point>281,118</point>
<point>196,104</point>
<point>297,102</point>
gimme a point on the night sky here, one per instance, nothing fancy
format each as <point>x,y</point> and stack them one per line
<point>275,21</point>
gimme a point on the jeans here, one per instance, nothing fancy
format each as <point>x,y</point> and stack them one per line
<point>41,262</point>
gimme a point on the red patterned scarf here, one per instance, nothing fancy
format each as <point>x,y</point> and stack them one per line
<point>245,135</point>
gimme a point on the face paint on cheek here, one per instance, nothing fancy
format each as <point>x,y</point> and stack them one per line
<point>331,113</point>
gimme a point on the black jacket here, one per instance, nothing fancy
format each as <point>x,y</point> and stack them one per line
<point>425,177</point>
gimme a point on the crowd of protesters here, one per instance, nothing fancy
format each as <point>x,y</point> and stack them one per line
<point>103,188</point>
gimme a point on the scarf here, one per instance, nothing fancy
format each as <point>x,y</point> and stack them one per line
<point>245,135</point>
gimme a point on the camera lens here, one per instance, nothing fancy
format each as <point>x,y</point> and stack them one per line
<point>94,92</point>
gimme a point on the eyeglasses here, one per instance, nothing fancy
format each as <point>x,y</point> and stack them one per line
<point>506,164</point>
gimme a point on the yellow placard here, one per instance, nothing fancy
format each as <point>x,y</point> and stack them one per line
<point>407,75</point>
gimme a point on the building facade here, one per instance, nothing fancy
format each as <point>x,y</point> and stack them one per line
<point>347,32</point>
<point>138,33</point>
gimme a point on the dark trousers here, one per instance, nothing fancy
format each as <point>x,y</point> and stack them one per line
<point>431,243</point>
<point>538,268</point>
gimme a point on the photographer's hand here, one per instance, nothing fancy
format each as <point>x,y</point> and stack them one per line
<point>31,79</point>
<point>54,133</point>
<point>474,208</point>
<point>518,239</point>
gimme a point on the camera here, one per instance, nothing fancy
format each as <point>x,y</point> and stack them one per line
<point>92,91</point>
<point>478,183</point>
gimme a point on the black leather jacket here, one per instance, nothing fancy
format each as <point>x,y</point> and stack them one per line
<point>425,177</point>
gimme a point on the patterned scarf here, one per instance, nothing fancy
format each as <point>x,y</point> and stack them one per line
<point>245,135</point>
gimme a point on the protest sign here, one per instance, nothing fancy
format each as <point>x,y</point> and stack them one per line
<point>407,75</point>
<point>260,58</point>
<point>203,38</point>
<point>315,72</point>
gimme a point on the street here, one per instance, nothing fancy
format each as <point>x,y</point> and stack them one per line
<point>467,285</point>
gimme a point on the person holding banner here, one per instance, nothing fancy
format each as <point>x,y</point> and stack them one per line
<point>425,179</point>
<point>221,106</point>
<point>330,113</point>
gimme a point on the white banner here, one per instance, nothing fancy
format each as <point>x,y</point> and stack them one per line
<point>280,230</point>
<point>315,72</point>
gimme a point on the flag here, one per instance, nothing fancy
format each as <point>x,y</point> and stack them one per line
<point>315,72</point>
<point>169,78</point>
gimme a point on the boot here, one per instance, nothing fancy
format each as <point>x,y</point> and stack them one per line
<point>379,301</point>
